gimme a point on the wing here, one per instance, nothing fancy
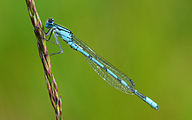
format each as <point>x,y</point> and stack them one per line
<point>105,75</point>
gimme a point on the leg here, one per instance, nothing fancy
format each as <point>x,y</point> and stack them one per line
<point>50,31</point>
<point>57,43</point>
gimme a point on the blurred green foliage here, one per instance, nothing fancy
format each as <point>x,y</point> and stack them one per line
<point>148,40</point>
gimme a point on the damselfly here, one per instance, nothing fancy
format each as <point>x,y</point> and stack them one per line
<point>107,71</point>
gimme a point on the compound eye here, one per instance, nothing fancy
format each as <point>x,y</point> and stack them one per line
<point>50,20</point>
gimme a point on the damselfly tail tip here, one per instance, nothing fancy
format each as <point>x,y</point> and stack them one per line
<point>155,106</point>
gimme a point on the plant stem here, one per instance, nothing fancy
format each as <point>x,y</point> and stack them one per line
<point>45,59</point>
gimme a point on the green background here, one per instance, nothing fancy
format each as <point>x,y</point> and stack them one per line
<point>149,40</point>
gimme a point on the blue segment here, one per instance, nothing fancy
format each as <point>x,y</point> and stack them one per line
<point>124,83</point>
<point>110,72</point>
<point>73,46</point>
<point>64,34</point>
<point>84,53</point>
<point>107,71</point>
<point>98,63</point>
<point>152,103</point>
<point>147,100</point>
<point>94,60</point>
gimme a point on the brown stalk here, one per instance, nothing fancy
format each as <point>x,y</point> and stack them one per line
<point>45,59</point>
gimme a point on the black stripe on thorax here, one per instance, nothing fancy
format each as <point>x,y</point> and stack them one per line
<point>63,28</point>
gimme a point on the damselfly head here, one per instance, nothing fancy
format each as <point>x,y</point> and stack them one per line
<point>50,20</point>
<point>49,23</point>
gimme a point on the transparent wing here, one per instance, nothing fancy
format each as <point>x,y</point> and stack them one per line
<point>105,75</point>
